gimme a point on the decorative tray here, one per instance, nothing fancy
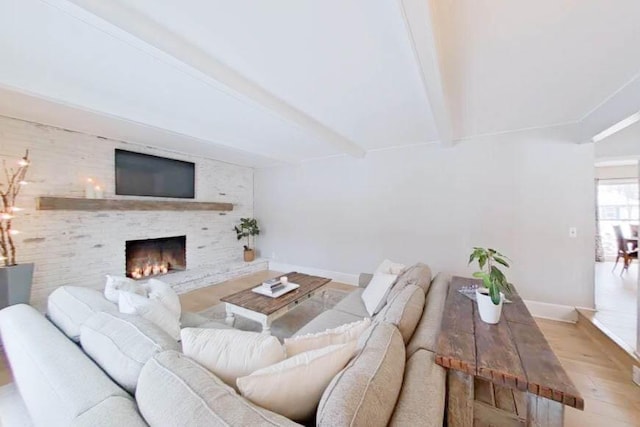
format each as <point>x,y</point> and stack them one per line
<point>287,288</point>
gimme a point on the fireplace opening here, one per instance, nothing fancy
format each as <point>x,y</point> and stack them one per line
<point>153,257</point>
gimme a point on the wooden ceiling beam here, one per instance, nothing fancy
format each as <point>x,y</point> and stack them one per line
<point>152,33</point>
<point>418,19</point>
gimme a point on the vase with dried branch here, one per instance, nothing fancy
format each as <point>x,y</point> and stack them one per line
<point>9,193</point>
<point>15,280</point>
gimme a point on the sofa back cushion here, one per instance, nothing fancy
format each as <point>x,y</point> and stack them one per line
<point>365,392</point>
<point>426,334</point>
<point>422,396</point>
<point>122,343</point>
<point>58,383</point>
<point>68,307</point>
<point>404,311</point>
<point>418,274</point>
<point>174,390</point>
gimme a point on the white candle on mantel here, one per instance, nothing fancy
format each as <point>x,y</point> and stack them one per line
<point>89,191</point>
<point>99,194</point>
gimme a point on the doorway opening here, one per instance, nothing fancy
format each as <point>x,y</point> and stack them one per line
<point>616,270</point>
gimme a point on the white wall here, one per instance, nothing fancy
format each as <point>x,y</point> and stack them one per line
<point>518,193</point>
<point>81,247</point>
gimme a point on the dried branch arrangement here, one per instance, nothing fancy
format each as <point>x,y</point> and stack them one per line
<point>9,193</point>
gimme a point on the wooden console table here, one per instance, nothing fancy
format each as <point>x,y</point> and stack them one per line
<point>500,375</point>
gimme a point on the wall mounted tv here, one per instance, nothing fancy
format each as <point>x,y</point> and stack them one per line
<point>140,174</point>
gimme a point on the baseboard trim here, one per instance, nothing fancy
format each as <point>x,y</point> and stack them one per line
<point>558,312</point>
<point>543,310</point>
<point>349,279</point>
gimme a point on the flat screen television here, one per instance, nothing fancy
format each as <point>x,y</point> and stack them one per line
<point>140,174</point>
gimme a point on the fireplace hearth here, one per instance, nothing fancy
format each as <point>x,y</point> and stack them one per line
<point>154,257</point>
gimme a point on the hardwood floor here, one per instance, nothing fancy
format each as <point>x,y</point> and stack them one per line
<point>204,298</point>
<point>616,297</point>
<point>611,398</point>
<point>5,373</point>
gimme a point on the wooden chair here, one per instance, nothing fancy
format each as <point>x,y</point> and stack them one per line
<point>623,250</point>
<point>634,233</point>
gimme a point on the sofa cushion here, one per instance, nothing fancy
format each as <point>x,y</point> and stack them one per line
<point>174,390</point>
<point>231,353</point>
<point>294,386</point>
<point>330,336</point>
<point>121,344</point>
<point>352,304</point>
<point>113,411</point>
<point>365,392</point>
<point>57,381</point>
<point>68,307</point>
<point>404,311</point>
<point>418,274</point>
<point>326,320</point>
<point>152,310</point>
<point>423,392</point>
<point>426,334</point>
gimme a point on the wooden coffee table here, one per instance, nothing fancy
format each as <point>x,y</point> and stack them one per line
<point>265,310</point>
<point>503,374</point>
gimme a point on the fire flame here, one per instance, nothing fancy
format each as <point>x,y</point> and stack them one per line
<point>149,270</point>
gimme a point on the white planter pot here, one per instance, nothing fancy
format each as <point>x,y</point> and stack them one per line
<point>489,312</point>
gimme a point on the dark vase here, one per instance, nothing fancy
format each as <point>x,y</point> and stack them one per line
<point>15,284</point>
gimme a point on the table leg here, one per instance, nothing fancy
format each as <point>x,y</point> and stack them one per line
<point>460,399</point>
<point>542,412</point>
<point>230,319</point>
<point>266,326</point>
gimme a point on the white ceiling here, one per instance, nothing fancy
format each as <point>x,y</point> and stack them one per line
<point>256,83</point>
<point>512,65</point>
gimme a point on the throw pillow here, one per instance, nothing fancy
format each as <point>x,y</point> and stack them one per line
<point>390,267</point>
<point>293,387</point>
<point>115,284</point>
<point>153,311</point>
<point>230,353</point>
<point>164,294</point>
<point>340,335</point>
<point>374,295</point>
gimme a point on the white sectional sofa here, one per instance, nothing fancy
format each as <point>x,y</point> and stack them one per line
<point>90,366</point>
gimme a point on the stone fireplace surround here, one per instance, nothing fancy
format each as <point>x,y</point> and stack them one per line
<point>80,247</point>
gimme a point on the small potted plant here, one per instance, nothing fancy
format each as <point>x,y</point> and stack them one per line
<point>248,228</point>
<point>15,279</point>
<point>491,296</point>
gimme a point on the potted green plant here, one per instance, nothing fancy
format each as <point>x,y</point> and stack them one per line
<point>491,296</point>
<point>15,279</point>
<point>248,228</point>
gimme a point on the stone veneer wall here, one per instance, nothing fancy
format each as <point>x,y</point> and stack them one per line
<point>79,248</point>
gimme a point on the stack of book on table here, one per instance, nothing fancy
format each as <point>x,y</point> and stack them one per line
<point>272,285</point>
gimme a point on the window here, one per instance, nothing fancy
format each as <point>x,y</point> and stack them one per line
<point>617,205</point>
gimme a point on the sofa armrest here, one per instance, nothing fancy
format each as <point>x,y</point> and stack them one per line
<point>364,279</point>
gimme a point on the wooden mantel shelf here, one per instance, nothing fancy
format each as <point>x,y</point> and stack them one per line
<point>46,203</point>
